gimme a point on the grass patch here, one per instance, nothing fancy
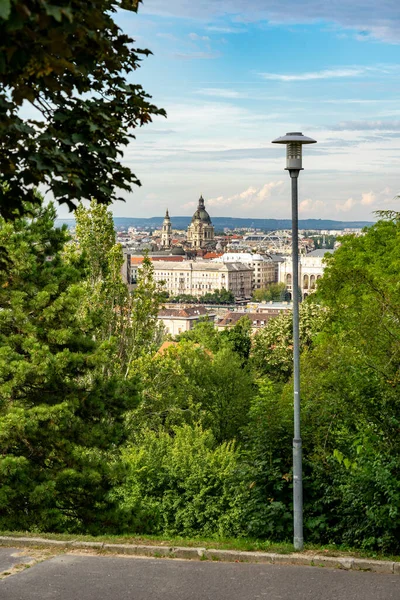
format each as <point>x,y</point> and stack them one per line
<point>241,544</point>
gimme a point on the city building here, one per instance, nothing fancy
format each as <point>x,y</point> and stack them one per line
<point>197,278</point>
<point>200,232</point>
<point>273,309</point>
<point>311,269</point>
<point>257,320</point>
<point>179,319</point>
<point>264,267</point>
<point>174,255</point>
<point>166,233</point>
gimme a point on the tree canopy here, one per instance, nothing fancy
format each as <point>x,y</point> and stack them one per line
<point>67,103</point>
<point>62,420</point>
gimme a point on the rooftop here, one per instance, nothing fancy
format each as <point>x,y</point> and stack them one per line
<point>257,319</point>
<point>320,252</point>
<point>184,313</point>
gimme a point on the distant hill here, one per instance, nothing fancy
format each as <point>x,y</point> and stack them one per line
<point>233,222</point>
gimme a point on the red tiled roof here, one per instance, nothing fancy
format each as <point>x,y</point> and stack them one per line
<point>209,255</point>
<point>195,311</point>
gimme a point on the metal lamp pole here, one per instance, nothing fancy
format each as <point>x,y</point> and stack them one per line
<point>294,142</point>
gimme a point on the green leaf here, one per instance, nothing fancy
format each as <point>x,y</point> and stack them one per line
<point>5,9</point>
<point>54,11</point>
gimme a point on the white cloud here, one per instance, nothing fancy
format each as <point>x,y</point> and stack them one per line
<point>367,18</point>
<point>250,198</point>
<point>189,205</point>
<point>346,206</point>
<point>312,75</point>
<point>221,93</point>
<point>221,29</point>
<point>167,36</point>
<point>368,126</point>
<point>196,55</point>
<point>196,38</point>
<point>311,206</point>
<point>368,198</point>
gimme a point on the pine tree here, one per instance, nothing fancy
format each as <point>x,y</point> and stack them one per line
<point>62,423</point>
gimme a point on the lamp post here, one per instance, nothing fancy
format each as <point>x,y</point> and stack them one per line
<point>294,142</point>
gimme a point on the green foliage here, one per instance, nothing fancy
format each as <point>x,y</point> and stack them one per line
<point>267,464</point>
<point>351,408</point>
<point>126,321</point>
<point>147,297</point>
<point>184,299</point>
<point>70,62</point>
<point>218,297</point>
<point>179,484</point>
<point>273,345</point>
<point>187,384</point>
<point>274,292</point>
<point>207,438</point>
<point>239,337</point>
<point>61,425</point>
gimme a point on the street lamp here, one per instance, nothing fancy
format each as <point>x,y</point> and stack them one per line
<point>294,142</point>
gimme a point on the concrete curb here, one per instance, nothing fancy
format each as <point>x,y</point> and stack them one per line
<point>339,562</point>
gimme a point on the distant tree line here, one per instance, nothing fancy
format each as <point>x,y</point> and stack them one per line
<point>217,297</point>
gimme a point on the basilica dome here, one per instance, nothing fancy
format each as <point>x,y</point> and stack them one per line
<point>201,214</point>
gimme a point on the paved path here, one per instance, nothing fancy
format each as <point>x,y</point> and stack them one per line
<point>10,557</point>
<point>82,577</point>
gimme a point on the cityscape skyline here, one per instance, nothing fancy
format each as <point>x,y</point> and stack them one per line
<point>232,77</point>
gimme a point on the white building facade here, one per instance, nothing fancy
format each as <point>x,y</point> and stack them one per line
<point>177,320</point>
<point>262,265</point>
<point>311,269</point>
<point>201,277</point>
<point>166,232</point>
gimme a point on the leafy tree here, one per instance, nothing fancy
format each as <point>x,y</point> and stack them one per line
<point>71,63</point>
<point>274,292</point>
<point>350,380</point>
<point>126,320</point>
<point>189,384</point>
<point>205,334</point>
<point>273,345</point>
<point>239,336</point>
<point>147,297</point>
<point>61,423</point>
<point>180,484</point>
<point>266,460</point>
<point>184,299</point>
<point>218,297</point>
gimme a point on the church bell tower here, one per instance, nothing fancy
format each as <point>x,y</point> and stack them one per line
<point>166,234</point>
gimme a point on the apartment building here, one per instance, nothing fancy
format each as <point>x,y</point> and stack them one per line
<point>262,265</point>
<point>200,277</point>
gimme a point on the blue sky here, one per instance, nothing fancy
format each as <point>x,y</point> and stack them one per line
<point>235,74</point>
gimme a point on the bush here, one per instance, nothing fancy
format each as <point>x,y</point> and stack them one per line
<point>180,484</point>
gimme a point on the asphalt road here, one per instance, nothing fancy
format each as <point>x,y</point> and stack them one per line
<point>10,557</point>
<point>82,577</point>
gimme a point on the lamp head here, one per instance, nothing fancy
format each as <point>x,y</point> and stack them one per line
<point>294,142</point>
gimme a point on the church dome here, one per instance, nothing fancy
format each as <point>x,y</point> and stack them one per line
<point>177,251</point>
<point>201,214</point>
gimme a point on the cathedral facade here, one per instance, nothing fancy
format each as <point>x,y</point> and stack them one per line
<point>200,232</point>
